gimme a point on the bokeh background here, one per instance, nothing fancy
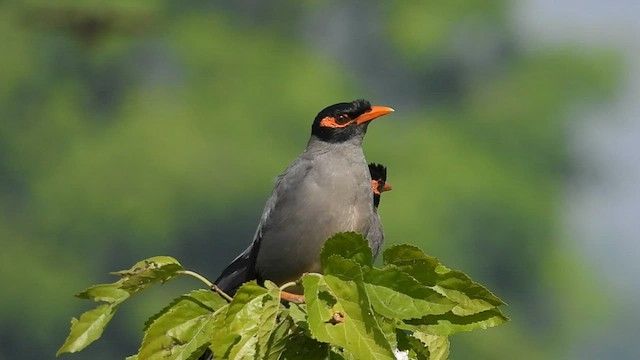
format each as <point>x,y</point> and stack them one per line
<point>130,129</point>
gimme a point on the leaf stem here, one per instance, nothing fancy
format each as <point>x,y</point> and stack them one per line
<point>209,284</point>
<point>219,291</point>
<point>287,285</point>
<point>197,276</point>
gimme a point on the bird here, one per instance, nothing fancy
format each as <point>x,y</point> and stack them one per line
<point>324,191</point>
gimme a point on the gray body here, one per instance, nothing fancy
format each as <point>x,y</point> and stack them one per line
<point>326,190</point>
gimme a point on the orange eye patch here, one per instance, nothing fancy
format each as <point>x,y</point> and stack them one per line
<point>331,122</point>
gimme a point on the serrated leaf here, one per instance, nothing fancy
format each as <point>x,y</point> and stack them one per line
<point>395,294</point>
<point>469,296</point>
<point>183,329</point>
<point>148,272</point>
<point>449,323</point>
<point>245,329</point>
<point>202,297</point>
<point>414,260</point>
<point>110,293</point>
<point>349,245</point>
<point>87,329</point>
<point>358,332</point>
<point>438,345</point>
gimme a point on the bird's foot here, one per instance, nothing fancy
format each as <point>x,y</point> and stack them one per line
<point>291,297</point>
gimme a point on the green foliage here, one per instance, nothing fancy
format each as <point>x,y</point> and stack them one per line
<point>351,311</point>
<point>143,274</point>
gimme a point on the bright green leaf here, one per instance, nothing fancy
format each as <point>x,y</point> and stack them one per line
<point>438,345</point>
<point>110,293</point>
<point>395,294</point>
<point>340,314</point>
<point>469,296</point>
<point>182,329</point>
<point>88,329</point>
<point>349,245</point>
<point>148,272</point>
<point>245,328</point>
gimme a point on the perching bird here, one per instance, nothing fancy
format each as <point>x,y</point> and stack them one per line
<point>326,190</point>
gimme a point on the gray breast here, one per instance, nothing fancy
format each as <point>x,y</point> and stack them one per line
<point>319,195</point>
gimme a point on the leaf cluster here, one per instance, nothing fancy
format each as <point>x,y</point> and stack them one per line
<point>352,311</point>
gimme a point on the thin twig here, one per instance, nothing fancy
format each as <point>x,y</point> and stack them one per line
<point>211,285</point>
<point>197,276</point>
<point>219,291</point>
<point>289,284</point>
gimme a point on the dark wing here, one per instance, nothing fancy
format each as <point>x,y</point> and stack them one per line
<point>243,267</point>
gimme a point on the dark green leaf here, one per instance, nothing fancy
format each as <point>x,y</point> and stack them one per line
<point>450,323</point>
<point>395,294</point>
<point>300,346</point>
<point>245,329</point>
<point>278,338</point>
<point>417,349</point>
<point>88,329</point>
<point>183,329</point>
<point>349,245</point>
<point>340,314</point>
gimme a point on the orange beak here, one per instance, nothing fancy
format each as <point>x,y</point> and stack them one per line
<point>375,112</point>
<point>386,187</point>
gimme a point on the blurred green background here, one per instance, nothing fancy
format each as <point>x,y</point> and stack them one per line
<point>130,129</point>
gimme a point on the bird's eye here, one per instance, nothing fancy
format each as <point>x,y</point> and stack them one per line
<point>342,119</point>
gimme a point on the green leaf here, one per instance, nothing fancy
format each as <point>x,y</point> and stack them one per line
<point>132,357</point>
<point>340,314</point>
<point>88,329</point>
<point>300,346</point>
<point>278,339</point>
<point>449,323</point>
<point>395,294</point>
<point>245,329</point>
<point>349,245</point>
<point>148,272</point>
<point>298,313</point>
<point>414,261</point>
<point>183,329</point>
<point>438,345</point>
<point>469,296</point>
<point>110,293</point>
<point>92,323</point>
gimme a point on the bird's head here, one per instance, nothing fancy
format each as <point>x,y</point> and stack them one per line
<point>344,121</point>
<point>378,181</point>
